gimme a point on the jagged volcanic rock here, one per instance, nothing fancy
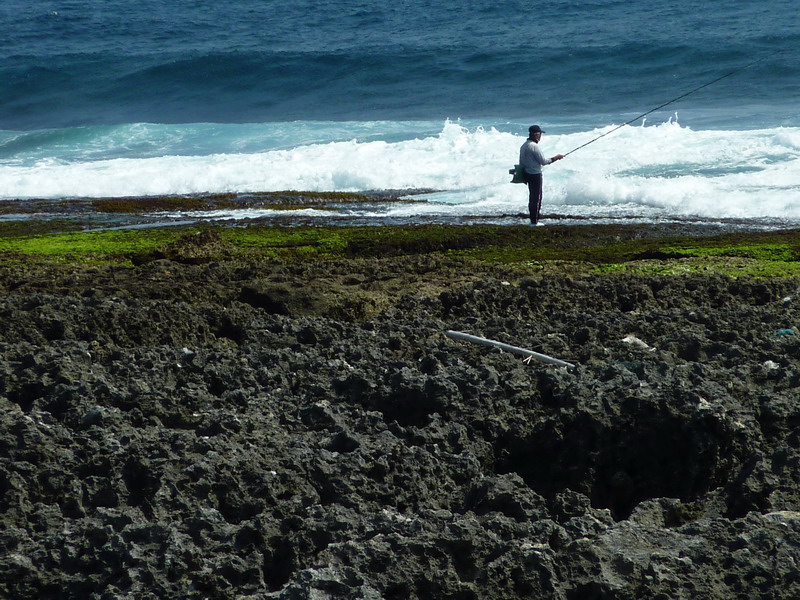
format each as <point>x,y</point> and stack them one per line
<point>190,431</point>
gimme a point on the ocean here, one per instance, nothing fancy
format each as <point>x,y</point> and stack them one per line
<point>104,98</point>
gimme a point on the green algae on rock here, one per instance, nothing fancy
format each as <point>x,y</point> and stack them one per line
<point>592,248</point>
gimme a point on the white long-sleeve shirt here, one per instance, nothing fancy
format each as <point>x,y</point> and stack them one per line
<point>531,157</point>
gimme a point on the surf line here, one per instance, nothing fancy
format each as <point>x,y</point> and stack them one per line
<point>681,97</point>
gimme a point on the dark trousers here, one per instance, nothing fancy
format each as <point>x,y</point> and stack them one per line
<point>534,195</point>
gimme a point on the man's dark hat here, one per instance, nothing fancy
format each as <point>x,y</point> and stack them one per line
<point>535,129</point>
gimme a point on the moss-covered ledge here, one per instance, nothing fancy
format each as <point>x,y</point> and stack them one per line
<point>591,248</point>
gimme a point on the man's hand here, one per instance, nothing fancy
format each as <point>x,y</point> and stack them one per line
<point>557,157</point>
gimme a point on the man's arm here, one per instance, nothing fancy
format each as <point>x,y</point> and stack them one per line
<point>540,158</point>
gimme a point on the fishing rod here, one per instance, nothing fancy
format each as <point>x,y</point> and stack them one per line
<point>682,96</point>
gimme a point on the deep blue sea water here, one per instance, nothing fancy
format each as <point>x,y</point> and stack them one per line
<point>112,98</point>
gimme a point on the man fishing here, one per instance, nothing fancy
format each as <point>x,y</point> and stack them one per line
<point>532,161</point>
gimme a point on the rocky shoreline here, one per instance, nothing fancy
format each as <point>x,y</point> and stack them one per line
<point>304,429</point>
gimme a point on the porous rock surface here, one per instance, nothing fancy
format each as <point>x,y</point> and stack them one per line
<point>194,431</point>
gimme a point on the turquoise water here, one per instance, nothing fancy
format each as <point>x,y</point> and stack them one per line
<point>119,99</point>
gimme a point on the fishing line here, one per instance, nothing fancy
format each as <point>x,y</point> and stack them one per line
<point>697,89</point>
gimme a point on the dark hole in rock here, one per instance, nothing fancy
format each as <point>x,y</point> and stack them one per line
<point>409,410</point>
<point>343,443</point>
<point>618,467</point>
<point>278,565</point>
<point>26,395</point>
<point>229,330</point>
<point>397,591</point>
<point>141,480</point>
<point>55,330</point>
<point>273,302</point>
<point>248,538</point>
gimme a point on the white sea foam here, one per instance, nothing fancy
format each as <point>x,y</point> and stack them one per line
<point>666,169</point>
